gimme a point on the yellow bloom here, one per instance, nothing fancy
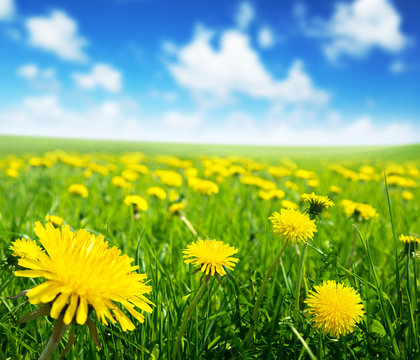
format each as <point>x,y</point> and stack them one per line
<point>120,182</point>
<point>82,272</point>
<point>317,202</point>
<point>202,186</point>
<point>211,256</point>
<point>157,192</point>
<point>12,172</point>
<point>293,225</point>
<point>173,195</point>
<point>169,177</point>
<point>312,182</point>
<point>55,220</point>
<point>291,185</point>
<point>335,189</point>
<point>137,201</point>
<point>336,308</point>
<point>130,175</point>
<point>287,204</point>
<point>269,194</point>
<point>407,195</point>
<point>79,189</point>
<point>365,211</point>
<point>409,238</point>
<point>176,208</point>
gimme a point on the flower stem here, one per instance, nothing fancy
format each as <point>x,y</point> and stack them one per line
<point>187,316</point>
<point>248,338</point>
<point>189,225</point>
<point>59,330</point>
<point>299,280</point>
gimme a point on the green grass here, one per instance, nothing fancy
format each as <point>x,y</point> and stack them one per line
<point>366,255</point>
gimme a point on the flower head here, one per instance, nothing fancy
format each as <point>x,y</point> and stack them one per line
<point>293,225</point>
<point>157,191</point>
<point>82,272</point>
<point>335,308</point>
<point>409,239</point>
<point>137,201</point>
<point>206,187</point>
<point>358,210</point>
<point>79,189</point>
<point>55,220</point>
<point>317,203</point>
<point>176,208</point>
<point>211,256</point>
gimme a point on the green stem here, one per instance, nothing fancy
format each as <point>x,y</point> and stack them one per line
<point>299,280</point>
<point>254,317</point>
<point>187,316</point>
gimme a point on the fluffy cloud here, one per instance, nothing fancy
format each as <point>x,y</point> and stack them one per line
<point>7,9</point>
<point>235,67</point>
<point>46,116</point>
<point>265,37</point>
<point>101,76</point>
<point>245,15</point>
<point>356,28</point>
<point>180,121</point>
<point>44,79</point>
<point>57,33</point>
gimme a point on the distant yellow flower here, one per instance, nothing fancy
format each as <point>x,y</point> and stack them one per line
<point>82,273</point>
<point>293,225</point>
<point>335,189</point>
<point>409,239</point>
<point>176,208</point>
<point>169,177</point>
<point>206,187</point>
<point>269,194</point>
<point>87,173</point>
<point>79,189</point>
<point>173,195</point>
<point>130,175</point>
<point>157,192</point>
<point>287,204</point>
<point>336,308</point>
<point>12,172</point>
<point>137,201</point>
<point>312,182</point>
<point>120,182</point>
<point>55,220</point>
<point>365,211</point>
<point>317,202</point>
<point>291,185</point>
<point>211,256</point>
<point>407,195</point>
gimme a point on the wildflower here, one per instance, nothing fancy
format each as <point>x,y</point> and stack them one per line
<point>407,195</point>
<point>287,204</point>
<point>12,172</point>
<point>55,220</point>
<point>119,181</point>
<point>293,225</point>
<point>206,187</point>
<point>173,195</point>
<point>358,210</point>
<point>157,192</point>
<point>312,182</point>
<point>269,194</point>
<point>176,208</point>
<point>317,203</point>
<point>83,273</point>
<point>130,175</point>
<point>87,173</point>
<point>211,256</point>
<point>291,185</point>
<point>409,239</point>
<point>79,189</point>
<point>335,189</point>
<point>336,308</point>
<point>137,201</point>
<point>169,177</point>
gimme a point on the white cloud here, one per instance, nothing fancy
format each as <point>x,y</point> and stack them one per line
<point>265,37</point>
<point>235,67</point>
<point>57,33</point>
<point>101,76</point>
<point>44,79</point>
<point>397,67</point>
<point>7,9</point>
<point>356,28</point>
<point>245,15</point>
<point>180,121</point>
<point>46,116</point>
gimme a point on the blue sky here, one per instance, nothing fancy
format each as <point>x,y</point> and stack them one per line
<point>254,72</point>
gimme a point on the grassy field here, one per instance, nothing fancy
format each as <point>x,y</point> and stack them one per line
<point>364,253</point>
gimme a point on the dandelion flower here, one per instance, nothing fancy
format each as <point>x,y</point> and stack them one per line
<point>137,201</point>
<point>119,181</point>
<point>359,210</point>
<point>407,195</point>
<point>289,204</point>
<point>211,256</point>
<point>335,189</point>
<point>55,220</point>
<point>206,187</point>
<point>317,202</point>
<point>293,225</point>
<point>82,273</point>
<point>79,189</point>
<point>176,208</point>
<point>157,192</point>
<point>409,239</point>
<point>335,308</point>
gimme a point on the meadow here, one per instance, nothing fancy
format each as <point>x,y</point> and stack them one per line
<point>357,243</point>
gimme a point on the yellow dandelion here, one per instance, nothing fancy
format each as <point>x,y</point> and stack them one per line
<point>55,220</point>
<point>409,239</point>
<point>169,177</point>
<point>79,189</point>
<point>211,256</point>
<point>293,225</point>
<point>176,208</point>
<point>407,195</point>
<point>173,195</point>
<point>119,181</point>
<point>137,201</point>
<point>206,187</point>
<point>157,191</point>
<point>317,202</point>
<point>313,182</point>
<point>335,189</point>
<point>287,204</point>
<point>359,210</point>
<point>83,273</point>
<point>335,308</point>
